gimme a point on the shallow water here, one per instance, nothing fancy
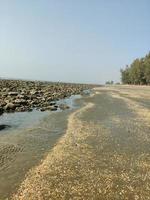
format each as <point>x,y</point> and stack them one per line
<point>70,101</point>
<point>26,143</point>
<point>19,120</point>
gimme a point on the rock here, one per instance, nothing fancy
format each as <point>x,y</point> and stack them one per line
<point>52,108</point>
<point>4,126</point>
<point>29,109</point>
<point>52,103</point>
<point>20,101</point>
<point>12,93</point>
<point>26,95</point>
<point>20,96</point>
<point>49,98</point>
<point>63,106</point>
<point>33,92</point>
<point>4,95</point>
<point>42,109</point>
<point>3,103</point>
<point>4,89</point>
<point>17,109</point>
<point>10,106</point>
<point>22,109</point>
<point>1,110</point>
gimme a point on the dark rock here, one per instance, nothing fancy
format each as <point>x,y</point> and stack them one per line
<point>4,126</point>
<point>13,93</point>
<point>20,101</point>
<point>23,109</point>
<point>29,109</point>
<point>1,111</point>
<point>52,108</point>
<point>52,103</point>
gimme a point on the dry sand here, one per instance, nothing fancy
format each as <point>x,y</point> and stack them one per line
<point>105,153</point>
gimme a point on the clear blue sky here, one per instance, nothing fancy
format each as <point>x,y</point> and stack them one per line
<point>72,40</point>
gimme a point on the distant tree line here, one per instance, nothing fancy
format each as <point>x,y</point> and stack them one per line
<point>109,82</point>
<point>138,73</point>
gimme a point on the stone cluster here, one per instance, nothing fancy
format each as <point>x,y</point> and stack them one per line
<point>20,96</point>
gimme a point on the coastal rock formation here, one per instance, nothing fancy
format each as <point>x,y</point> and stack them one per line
<point>20,96</point>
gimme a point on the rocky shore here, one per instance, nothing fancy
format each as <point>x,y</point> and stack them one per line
<point>20,96</point>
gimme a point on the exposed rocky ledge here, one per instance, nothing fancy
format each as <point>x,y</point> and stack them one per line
<point>20,96</point>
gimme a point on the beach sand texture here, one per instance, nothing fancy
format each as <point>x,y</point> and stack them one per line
<point>104,153</point>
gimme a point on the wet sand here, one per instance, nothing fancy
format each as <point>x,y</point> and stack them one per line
<point>104,153</point>
<point>24,148</point>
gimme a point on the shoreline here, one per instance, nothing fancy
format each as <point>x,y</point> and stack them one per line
<point>27,147</point>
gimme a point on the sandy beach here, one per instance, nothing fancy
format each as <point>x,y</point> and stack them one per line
<point>104,153</point>
<point>74,100</point>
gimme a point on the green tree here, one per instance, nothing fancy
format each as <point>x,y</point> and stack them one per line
<point>138,72</point>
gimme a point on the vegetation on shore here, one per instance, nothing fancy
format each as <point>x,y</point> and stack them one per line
<point>138,73</point>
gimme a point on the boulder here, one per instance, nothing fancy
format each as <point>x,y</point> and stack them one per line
<point>10,106</point>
